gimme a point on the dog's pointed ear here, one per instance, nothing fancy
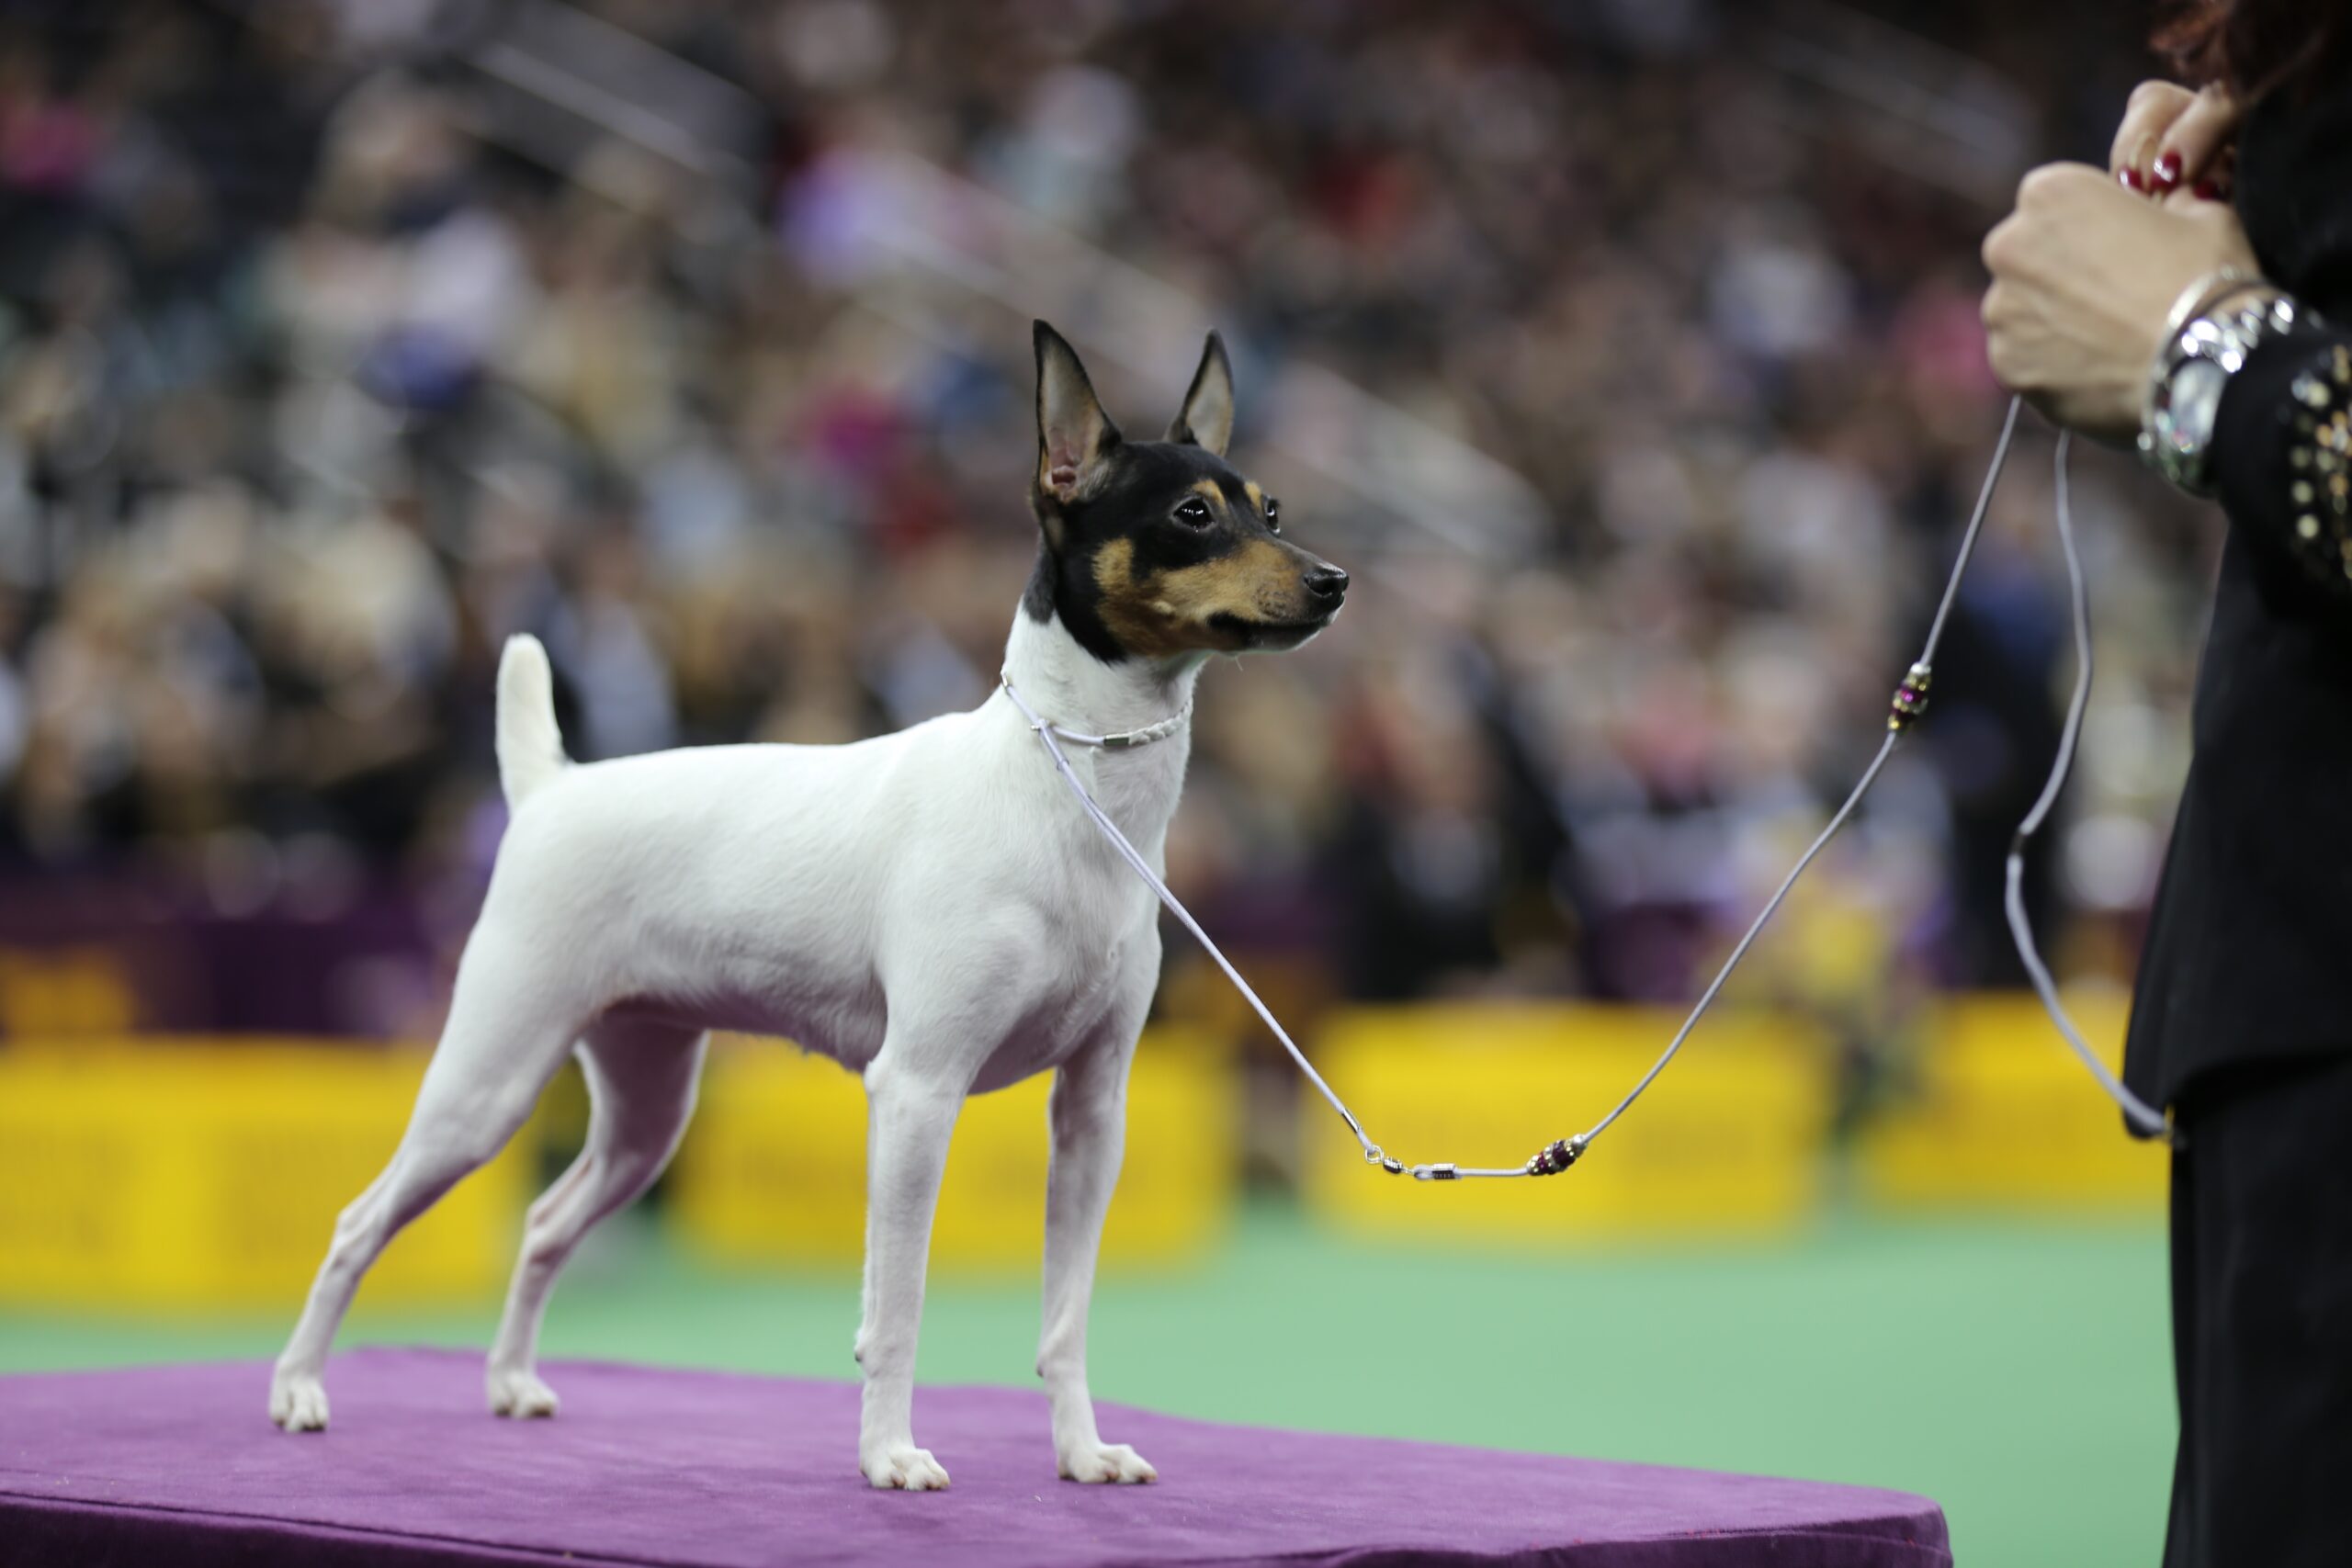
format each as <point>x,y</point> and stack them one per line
<point>1207,418</point>
<point>1074,436</point>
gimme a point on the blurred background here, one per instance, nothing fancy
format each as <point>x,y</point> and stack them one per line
<point>1626,351</point>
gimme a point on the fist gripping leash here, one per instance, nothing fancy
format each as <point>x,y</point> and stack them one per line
<point>1908,705</point>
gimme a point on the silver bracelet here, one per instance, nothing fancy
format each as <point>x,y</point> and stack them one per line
<point>2202,294</point>
<point>2215,325</point>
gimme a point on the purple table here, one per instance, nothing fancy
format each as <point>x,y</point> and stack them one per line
<point>179,1465</point>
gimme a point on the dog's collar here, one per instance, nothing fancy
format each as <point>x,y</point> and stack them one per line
<point>1126,741</point>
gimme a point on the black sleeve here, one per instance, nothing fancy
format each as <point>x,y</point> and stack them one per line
<point>2281,456</point>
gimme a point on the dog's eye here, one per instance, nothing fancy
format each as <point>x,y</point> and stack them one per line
<point>1194,513</point>
<point>1274,515</point>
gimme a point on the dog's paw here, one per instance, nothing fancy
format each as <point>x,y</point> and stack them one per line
<point>903,1468</point>
<point>298,1401</point>
<point>518,1391</point>
<point>1097,1463</point>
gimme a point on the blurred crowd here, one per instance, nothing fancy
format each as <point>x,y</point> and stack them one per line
<point>313,388</point>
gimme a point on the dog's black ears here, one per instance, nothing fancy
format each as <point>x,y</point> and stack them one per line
<point>1207,418</point>
<point>1074,436</point>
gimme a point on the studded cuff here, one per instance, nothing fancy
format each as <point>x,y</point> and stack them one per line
<point>2282,453</point>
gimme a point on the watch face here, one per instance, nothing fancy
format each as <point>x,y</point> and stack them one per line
<point>2196,395</point>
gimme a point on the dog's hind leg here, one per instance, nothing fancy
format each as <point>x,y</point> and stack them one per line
<point>503,1042</point>
<point>641,1081</point>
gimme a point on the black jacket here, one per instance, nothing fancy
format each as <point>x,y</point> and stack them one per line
<point>2249,948</point>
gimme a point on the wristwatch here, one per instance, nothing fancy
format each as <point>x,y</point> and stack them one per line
<point>2214,325</point>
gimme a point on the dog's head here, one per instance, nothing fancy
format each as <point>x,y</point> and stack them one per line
<point>1155,549</point>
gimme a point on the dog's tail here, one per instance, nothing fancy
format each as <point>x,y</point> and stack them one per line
<point>530,747</point>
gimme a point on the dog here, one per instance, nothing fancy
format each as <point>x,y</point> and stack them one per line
<point>930,909</point>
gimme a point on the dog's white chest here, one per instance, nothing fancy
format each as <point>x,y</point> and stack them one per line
<point>1099,961</point>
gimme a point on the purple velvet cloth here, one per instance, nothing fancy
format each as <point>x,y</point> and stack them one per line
<point>179,1465</point>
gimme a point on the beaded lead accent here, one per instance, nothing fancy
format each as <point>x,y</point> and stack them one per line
<point>1910,698</point>
<point>1553,1158</point>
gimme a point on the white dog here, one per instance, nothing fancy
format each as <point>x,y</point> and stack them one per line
<point>930,909</point>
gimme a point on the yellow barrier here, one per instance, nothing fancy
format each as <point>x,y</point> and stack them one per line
<point>62,991</point>
<point>2007,1116</point>
<point>1728,1143</point>
<point>209,1174</point>
<point>773,1168</point>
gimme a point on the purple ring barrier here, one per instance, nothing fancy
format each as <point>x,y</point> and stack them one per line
<point>178,1464</point>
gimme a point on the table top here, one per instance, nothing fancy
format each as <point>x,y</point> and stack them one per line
<point>712,1469</point>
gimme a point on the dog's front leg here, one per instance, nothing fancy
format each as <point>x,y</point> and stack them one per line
<point>910,1118</point>
<point>1090,1128</point>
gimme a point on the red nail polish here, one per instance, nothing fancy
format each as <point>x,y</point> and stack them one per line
<point>2131,179</point>
<point>2206,190</point>
<point>2168,170</point>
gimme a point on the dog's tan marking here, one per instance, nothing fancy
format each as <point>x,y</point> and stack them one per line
<point>1257,497</point>
<point>1174,611</point>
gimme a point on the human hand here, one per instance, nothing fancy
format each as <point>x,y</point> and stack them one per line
<point>2172,139</point>
<point>2083,274</point>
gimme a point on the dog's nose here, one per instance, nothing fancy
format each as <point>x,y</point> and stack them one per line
<point>1327,582</point>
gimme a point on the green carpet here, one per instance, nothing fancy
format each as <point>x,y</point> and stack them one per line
<point>2018,1373</point>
